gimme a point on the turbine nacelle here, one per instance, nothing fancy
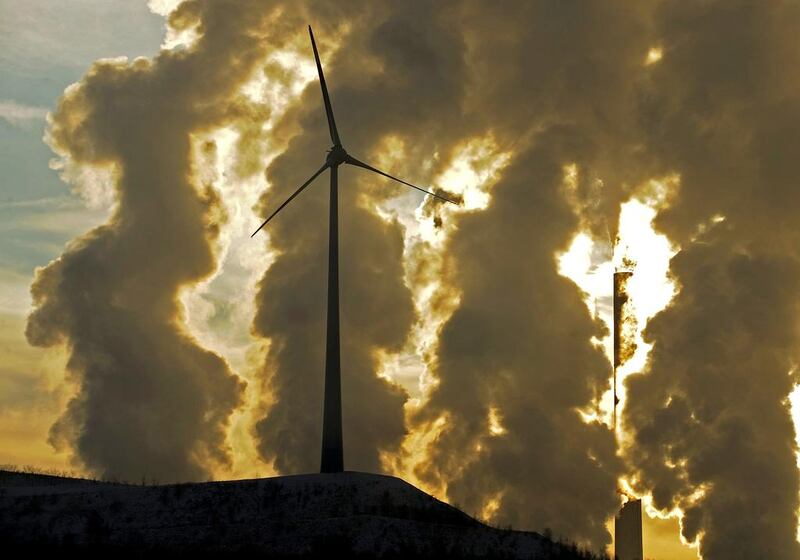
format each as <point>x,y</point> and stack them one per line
<point>337,155</point>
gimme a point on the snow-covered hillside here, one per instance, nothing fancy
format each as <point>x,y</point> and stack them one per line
<point>358,514</point>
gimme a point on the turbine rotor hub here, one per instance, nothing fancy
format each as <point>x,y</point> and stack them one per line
<point>336,155</point>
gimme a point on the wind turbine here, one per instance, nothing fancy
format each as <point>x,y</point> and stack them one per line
<point>332,451</point>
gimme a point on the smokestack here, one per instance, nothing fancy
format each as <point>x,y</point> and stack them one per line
<point>628,523</point>
<point>620,298</point>
<point>628,532</point>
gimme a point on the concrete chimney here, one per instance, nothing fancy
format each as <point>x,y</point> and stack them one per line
<point>628,532</point>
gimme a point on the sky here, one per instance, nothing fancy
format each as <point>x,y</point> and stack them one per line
<point>144,334</point>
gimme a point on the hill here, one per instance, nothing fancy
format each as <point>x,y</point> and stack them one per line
<point>357,515</point>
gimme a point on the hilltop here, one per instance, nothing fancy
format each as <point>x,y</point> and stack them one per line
<point>355,514</point>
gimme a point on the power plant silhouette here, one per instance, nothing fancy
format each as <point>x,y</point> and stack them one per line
<point>332,459</point>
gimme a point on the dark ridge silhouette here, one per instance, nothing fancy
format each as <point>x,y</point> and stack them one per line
<point>350,514</point>
<point>332,456</point>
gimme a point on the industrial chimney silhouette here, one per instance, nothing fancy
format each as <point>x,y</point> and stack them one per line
<point>332,449</point>
<point>628,532</point>
<point>620,298</point>
<point>628,522</point>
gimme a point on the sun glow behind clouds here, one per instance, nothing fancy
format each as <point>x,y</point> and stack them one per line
<point>471,174</point>
<point>495,419</point>
<point>653,55</point>
<point>649,288</point>
<point>590,264</point>
<point>794,404</point>
<point>173,39</point>
<point>491,507</point>
<point>219,310</point>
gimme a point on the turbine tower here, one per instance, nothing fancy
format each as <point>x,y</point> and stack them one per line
<point>332,451</point>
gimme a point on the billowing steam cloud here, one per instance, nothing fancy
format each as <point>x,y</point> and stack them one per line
<point>517,351</point>
<point>711,425</point>
<point>150,401</point>
<point>709,418</point>
<point>515,363</point>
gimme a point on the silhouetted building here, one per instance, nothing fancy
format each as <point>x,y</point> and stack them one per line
<point>628,532</point>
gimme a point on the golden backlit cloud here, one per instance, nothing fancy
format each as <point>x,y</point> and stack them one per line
<point>132,361</point>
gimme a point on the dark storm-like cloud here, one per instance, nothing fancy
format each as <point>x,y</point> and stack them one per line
<point>150,402</point>
<point>711,427</point>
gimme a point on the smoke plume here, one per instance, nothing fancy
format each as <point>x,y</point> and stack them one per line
<point>517,348</point>
<point>150,402</point>
<point>710,419</point>
<point>515,365</point>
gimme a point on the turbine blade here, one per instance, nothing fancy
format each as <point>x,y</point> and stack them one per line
<point>325,97</point>
<point>353,161</point>
<point>288,200</point>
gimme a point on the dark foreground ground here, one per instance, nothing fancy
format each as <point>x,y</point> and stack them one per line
<point>349,515</point>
